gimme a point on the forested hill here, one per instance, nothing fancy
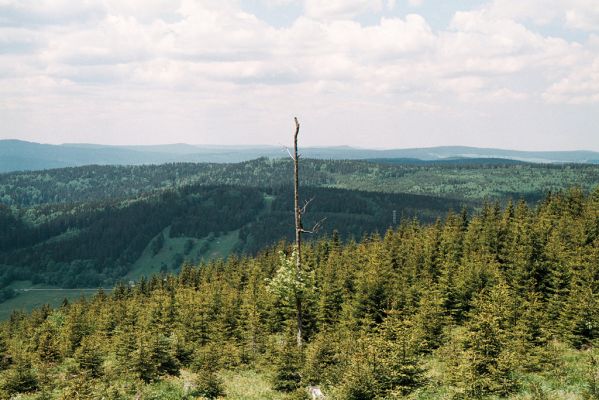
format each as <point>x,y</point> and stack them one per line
<point>95,243</point>
<point>16,155</point>
<point>464,181</point>
<point>500,304</point>
<point>89,226</point>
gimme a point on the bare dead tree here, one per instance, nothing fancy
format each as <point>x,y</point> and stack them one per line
<point>298,232</point>
<point>299,229</point>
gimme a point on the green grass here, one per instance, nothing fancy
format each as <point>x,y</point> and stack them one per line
<point>222,246</point>
<point>238,385</point>
<point>147,265</point>
<point>567,379</point>
<point>27,300</point>
<point>204,249</point>
<point>249,385</point>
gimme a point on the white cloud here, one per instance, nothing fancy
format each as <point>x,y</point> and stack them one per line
<point>415,3</point>
<point>579,87</point>
<point>340,9</point>
<point>198,62</point>
<point>577,14</point>
<point>48,12</point>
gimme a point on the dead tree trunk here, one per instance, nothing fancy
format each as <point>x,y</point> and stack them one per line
<point>298,234</point>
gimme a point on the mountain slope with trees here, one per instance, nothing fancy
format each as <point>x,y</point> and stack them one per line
<point>94,244</point>
<point>462,180</point>
<point>87,226</point>
<point>500,303</point>
<point>17,155</point>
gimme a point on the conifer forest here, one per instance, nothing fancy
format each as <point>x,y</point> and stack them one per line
<point>498,299</point>
<point>167,231</point>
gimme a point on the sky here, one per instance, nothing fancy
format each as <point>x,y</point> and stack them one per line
<point>517,74</point>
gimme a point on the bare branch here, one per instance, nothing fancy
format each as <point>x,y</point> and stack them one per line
<point>285,148</point>
<point>289,152</point>
<point>315,228</point>
<point>306,203</point>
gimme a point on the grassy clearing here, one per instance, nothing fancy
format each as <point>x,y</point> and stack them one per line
<point>222,246</point>
<point>29,299</point>
<point>249,385</point>
<point>567,379</point>
<point>204,249</point>
<point>32,296</point>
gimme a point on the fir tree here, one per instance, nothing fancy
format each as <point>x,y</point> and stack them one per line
<point>20,377</point>
<point>89,356</point>
<point>487,363</point>
<point>287,367</point>
<point>47,346</point>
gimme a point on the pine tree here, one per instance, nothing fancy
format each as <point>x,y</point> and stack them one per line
<point>47,346</point>
<point>430,321</point>
<point>487,362</point>
<point>451,253</point>
<point>142,362</point>
<point>206,365</point>
<point>330,294</point>
<point>397,346</point>
<point>581,316</point>
<point>252,329</point>
<point>287,366</point>
<point>4,355</point>
<point>322,363</point>
<point>532,336</point>
<point>79,387</point>
<point>89,356</point>
<point>20,377</point>
<point>373,291</point>
<point>163,355</point>
<point>384,364</point>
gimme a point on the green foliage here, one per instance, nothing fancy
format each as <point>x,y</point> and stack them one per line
<point>86,226</point>
<point>164,391</point>
<point>20,377</point>
<point>287,366</point>
<point>322,362</point>
<point>486,362</point>
<point>157,243</point>
<point>207,363</point>
<point>474,306</point>
<point>209,385</point>
<point>89,356</point>
<point>591,391</point>
<point>79,387</point>
<point>384,364</point>
<point>142,362</point>
<point>397,347</point>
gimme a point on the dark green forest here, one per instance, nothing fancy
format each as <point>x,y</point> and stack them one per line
<point>90,226</point>
<point>465,179</point>
<point>496,303</point>
<point>94,244</point>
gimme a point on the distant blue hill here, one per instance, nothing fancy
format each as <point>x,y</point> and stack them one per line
<point>449,161</point>
<point>18,155</point>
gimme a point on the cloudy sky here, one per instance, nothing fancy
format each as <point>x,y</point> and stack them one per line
<point>521,74</point>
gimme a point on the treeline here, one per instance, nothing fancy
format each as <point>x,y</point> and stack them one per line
<point>468,179</point>
<point>353,214</point>
<point>467,307</point>
<point>93,244</point>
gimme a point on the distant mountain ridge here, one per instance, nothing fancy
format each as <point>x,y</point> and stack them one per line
<point>16,155</point>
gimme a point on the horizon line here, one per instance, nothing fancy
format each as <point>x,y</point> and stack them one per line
<point>67,144</point>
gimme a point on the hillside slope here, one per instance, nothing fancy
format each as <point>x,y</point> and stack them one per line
<point>17,155</point>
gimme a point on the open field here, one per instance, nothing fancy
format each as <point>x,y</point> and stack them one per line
<point>172,254</point>
<point>28,299</point>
